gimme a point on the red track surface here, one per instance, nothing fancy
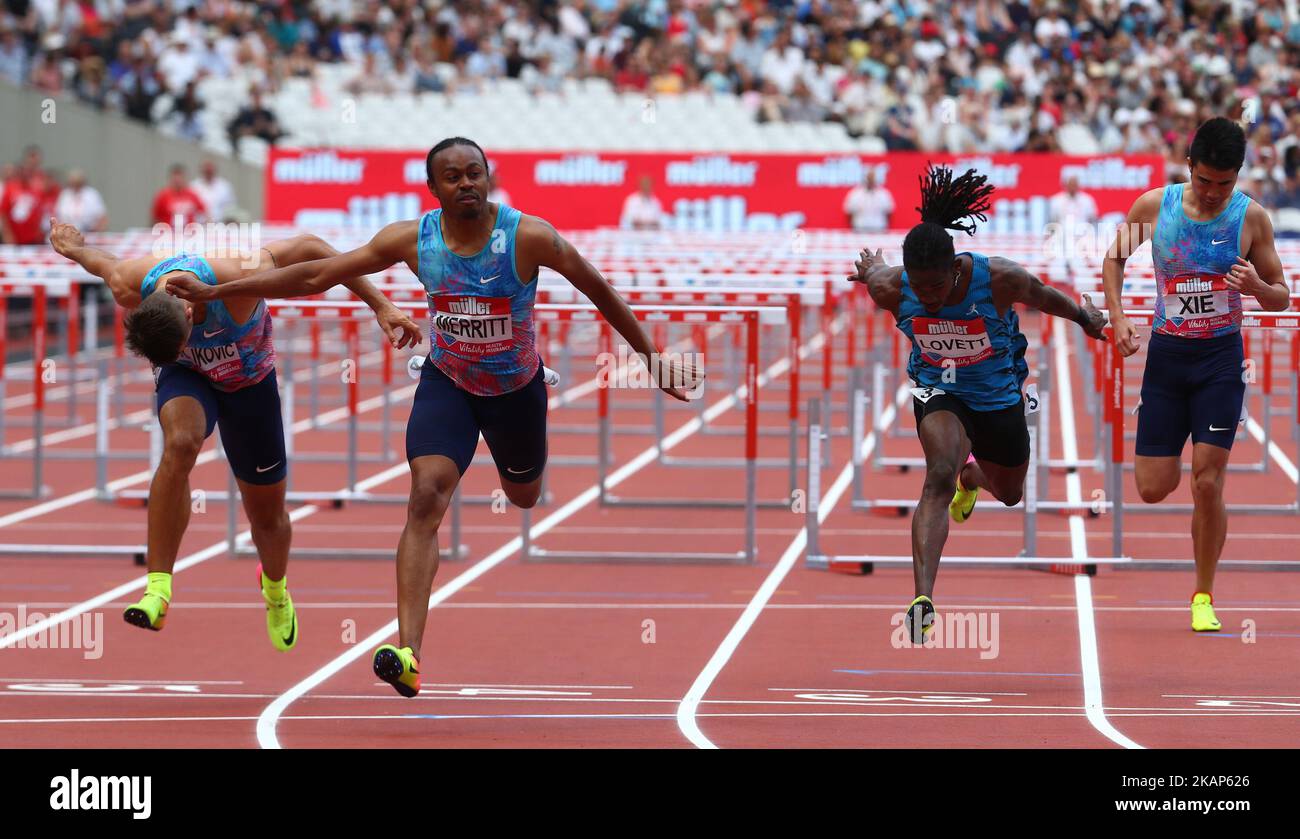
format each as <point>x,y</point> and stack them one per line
<point>544,655</point>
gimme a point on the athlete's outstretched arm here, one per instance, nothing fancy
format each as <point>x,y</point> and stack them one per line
<point>122,276</point>
<point>1130,235</point>
<point>884,282</point>
<point>1013,284</point>
<point>1260,273</point>
<point>543,245</point>
<point>389,246</point>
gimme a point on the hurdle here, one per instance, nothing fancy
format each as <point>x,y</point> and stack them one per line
<point>747,317</point>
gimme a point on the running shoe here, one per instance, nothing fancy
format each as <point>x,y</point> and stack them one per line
<point>1203,617</point>
<point>399,668</point>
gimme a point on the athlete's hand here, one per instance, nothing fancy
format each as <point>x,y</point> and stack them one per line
<point>1126,336</point>
<point>1243,278</point>
<point>1096,320</point>
<point>64,238</point>
<point>865,263</point>
<point>393,321</point>
<point>190,288</point>
<point>677,376</point>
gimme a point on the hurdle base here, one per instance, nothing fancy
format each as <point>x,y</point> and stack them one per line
<point>639,557</point>
<point>136,552</point>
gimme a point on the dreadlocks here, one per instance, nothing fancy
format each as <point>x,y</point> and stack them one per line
<point>944,203</point>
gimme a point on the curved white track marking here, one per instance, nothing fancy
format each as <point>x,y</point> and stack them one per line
<point>266,722</point>
<point>688,707</point>
<point>1089,660</point>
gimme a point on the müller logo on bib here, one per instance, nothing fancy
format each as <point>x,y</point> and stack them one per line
<point>471,325</point>
<point>964,342</point>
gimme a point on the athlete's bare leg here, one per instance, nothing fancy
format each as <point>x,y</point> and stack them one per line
<point>433,480</point>
<point>1209,514</point>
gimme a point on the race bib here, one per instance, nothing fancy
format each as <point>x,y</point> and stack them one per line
<point>1197,303</point>
<point>925,394</point>
<point>1032,402</point>
<point>217,363</point>
<point>958,342</point>
<point>468,325</point>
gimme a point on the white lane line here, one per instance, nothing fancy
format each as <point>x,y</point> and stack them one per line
<point>1090,661</point>
<point>1274,451</point>
<point>686,710</point>
<point>266,722</point>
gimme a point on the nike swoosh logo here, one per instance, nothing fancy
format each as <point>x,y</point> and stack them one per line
<point>293,631</point>
<point>516,471</point>
<point>207,334</point>
<point>486,280</point>
<point>1218,241</point>
<point>1212,428</point>
<point>262,469</point>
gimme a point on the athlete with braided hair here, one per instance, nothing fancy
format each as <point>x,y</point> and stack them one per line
<point>968,362</point>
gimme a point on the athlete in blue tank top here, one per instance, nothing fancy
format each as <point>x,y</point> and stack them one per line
<point>214,365</point>
<point>478,262</point>
<point>1211,245</point>
<point>968,362</point>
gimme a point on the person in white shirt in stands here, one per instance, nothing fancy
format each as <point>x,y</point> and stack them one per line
<point>81,205</point>
<point>217,193</point>
<point>868,206</point>
<point>496,194</point>
<point>641,210</point>
<point>1073,206</point>
<point>1072,214</point>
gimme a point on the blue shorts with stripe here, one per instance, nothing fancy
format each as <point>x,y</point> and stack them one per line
<point>252,430</point>
<point>1191,386</point>
<point>446,420</point>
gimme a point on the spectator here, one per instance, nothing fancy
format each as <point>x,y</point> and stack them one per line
<point>254,120</point>
<point>13,57</point>
<point>176,204</point>
<point>25,207</point>
<point>216,192</point>
<point>1073,212</point>
<point>139,89</point>
<point>867,207</point>
<point>81,205</point>
<point>368,80</point>
<point>91,82</point>
<point>186,108</point>
<point>642,210</point>
<point>47,75</point>
<point>495,192</point>
<point>178,65</point>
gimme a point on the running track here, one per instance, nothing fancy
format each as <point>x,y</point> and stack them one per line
<point>551,655</point>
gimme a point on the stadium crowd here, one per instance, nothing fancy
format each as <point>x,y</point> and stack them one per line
<point>1098,76</point>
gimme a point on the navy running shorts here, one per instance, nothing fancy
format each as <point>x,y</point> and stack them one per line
<point>252,430</point>
<point>446,420</point>
<point>1191,386</point>
<point>1000,436</point>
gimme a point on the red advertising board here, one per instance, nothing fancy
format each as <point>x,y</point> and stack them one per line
<point>716,192</point>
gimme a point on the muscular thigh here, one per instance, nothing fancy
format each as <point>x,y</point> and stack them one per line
<point>514,427</point>
<point>442,420</point>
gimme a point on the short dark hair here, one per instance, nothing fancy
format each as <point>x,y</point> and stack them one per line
<point>945,201</point>
<point>1220,143</point>
<point>156,329</point>
<point>446,144</point>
